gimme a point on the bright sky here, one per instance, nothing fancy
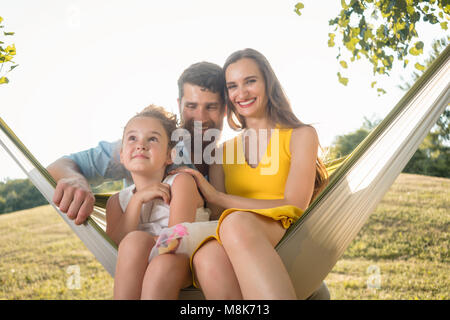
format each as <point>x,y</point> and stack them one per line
<point>88,66</point>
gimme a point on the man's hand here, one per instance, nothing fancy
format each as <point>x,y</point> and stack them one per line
<point>73,194</point>
<point>74,197</point>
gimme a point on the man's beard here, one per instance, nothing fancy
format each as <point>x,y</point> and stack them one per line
<point>190,126</point>
<point>204,136</point>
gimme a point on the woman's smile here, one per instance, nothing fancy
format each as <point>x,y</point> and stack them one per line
<point>246,103</point>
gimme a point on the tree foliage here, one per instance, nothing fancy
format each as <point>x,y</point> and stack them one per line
<point>433,155</point>
<point>432,158</point>
<point>343,145</point>
<point>7,53</point>
<point>382,31</point>
<point>19,194</point>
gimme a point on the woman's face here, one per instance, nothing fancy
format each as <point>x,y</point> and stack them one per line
<point>246,88</point>
<point>144,145</point>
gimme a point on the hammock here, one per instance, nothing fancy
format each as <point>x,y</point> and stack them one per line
<point>312,246</point>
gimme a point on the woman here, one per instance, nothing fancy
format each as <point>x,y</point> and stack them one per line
<point>262,199</point>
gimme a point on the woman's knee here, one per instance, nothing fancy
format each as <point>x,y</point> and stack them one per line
<point>209,259</point>
<point>239,229</point>
<point>243,229</point>
<point>214,272</point>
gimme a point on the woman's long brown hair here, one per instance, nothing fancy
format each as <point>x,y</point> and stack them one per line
<point>278,107</point>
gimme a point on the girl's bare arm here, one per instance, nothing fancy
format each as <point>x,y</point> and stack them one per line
<point>185,199</point>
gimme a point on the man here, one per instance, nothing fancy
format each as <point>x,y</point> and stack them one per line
<point>201,100</point>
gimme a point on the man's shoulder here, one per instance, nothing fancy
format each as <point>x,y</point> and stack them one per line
<point>113,146</point>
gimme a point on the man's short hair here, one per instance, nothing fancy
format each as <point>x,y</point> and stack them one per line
<point>203,74</point>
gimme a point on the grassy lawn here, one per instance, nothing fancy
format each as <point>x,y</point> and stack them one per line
<point>402,252</point>
<point>406,240</point>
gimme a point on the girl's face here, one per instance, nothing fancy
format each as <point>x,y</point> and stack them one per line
<point>246,88</point>
<point>145,146</point>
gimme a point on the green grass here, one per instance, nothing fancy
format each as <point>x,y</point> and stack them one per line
<point>406,239</point>
<point>36,250</point>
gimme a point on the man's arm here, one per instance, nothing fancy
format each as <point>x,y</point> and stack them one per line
<point>73,195</point>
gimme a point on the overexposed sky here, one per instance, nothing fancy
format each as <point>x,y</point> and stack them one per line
<point>88,66</point>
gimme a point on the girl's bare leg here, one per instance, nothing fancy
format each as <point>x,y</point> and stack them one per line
<point>249,240</point>
<point>132,261</point>
<point>215,274</point>
<point>165,276</point>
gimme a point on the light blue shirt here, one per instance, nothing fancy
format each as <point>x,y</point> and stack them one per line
<point>102,163</point>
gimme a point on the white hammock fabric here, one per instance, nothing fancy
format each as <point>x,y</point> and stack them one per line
<point>312,248</point>
<point>315,243</point>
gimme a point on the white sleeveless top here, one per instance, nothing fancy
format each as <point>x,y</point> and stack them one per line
<point>155,214</point>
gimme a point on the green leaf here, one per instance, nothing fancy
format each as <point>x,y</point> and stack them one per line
<point>368,34</point>
<point>415,52</point>
<point>13,67</point>
<point>344,5</point>
<point>331,39</point>
<point>381,91</point>
<point>342,80</point>
<point>343,64</point>
<point>4,80</point>
<point>351,44</point>
<point>8,33</point>
<point>373,84</point>
<point>444,25</point>
<point>419,45</point>
<point>298,7</point>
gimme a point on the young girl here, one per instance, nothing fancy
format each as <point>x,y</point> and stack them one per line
<point>263,197</point>
<point>136,216</point>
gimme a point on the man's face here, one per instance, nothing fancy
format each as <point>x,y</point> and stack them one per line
<point>200,104</point>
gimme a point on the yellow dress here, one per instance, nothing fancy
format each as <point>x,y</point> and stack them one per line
<point>266,181</point>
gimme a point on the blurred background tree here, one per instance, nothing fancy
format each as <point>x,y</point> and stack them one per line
<point>432,158</point>
<point>343,145</point>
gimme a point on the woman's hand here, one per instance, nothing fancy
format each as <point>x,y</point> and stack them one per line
<point>210,193</point>
<point>159,190</point>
